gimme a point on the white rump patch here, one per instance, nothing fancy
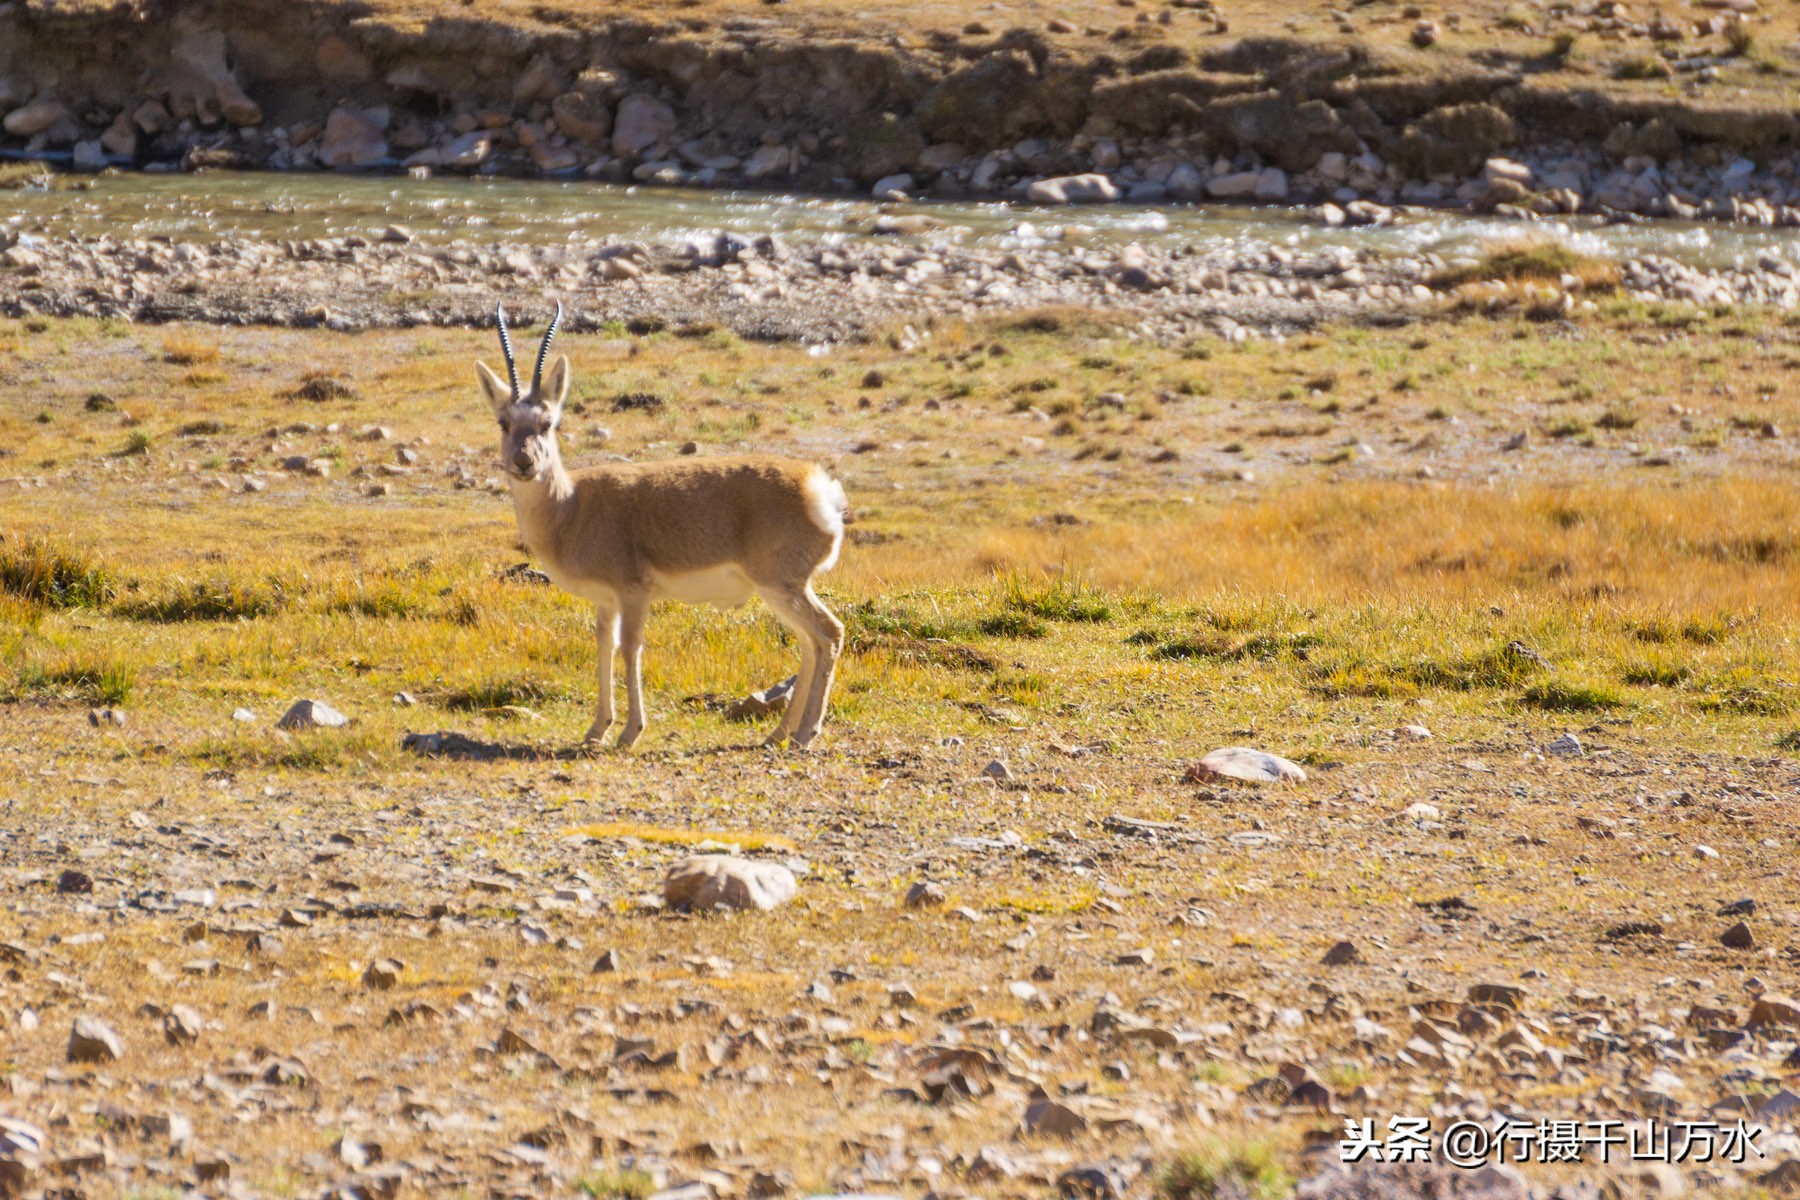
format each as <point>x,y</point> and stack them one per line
<point>826,504</point>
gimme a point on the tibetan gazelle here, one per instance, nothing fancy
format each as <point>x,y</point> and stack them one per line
<point>699,530</point>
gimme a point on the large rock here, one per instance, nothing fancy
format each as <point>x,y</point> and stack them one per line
<point>1049,1118</point>
<point>1498,168</point>
<point>92,1041</point>
<point>351,139</point>
<point>992,101</point>
<point>1186,182</point>
<point>1252,766</point>
<point>1455,141</point>
<point>200,54</point>
<point>467,151</point>
<point>1073,189</point>
<point>886,187</point>
<point>121,137</point>
<point>942,156</point>
<point>877,145</point>
<point>1233,184</point>
<point>1293,136</point>
<point>1772,1008</point>
<point>1271,184</point>
<point>35,118</point>
<point>1656,138</point>
<point>551,158</point>
<point>641,122</point>
<point>338,59</point>
<point>582,117</point>
<point>707,881</point>
<point>312,714</point>
<point>539,81</point>
<point>767,161</point>
<point>151,117</point>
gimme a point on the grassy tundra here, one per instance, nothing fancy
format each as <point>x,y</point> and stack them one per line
<point>1092,558</point>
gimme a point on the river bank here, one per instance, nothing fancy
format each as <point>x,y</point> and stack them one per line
<point>1475,111</point>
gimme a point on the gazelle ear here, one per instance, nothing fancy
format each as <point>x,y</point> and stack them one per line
<point>499,394</point>
<point>556,386</point>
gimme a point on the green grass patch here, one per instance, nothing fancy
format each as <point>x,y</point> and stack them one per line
<point>1216,1169</point>
<point>386,599</point>
<point>1657,672</point>
<point>1012,625</point>
<point>1364,682</point>
<point>217,599</point>
<point>1261,647</point>
<point>870,622</point>
<point>1698,631</point>
<point>1746,700</point>
<point>54,576</point>
<point>1060,598</point>
<point>501,693</point>
<point>1501,667</point>
<point>616,1183</point>
<point>88,680</point>
<point>1558,695</point>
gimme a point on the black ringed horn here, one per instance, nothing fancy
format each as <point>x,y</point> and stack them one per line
<point>512,370</point>
<point>537,376</point>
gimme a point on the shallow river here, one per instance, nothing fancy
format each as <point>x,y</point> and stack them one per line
<point>216,205</point>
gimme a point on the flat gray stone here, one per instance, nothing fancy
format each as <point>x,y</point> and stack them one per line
<point>705,881</point>
<point>1251,766</point>
<point>1566,746</point>
<point>312,714</point>
<point>92,1041</point>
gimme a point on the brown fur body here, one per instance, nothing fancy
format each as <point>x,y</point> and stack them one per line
<point>696,530</point>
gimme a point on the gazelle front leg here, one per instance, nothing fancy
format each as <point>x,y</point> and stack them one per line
<point>606,635</point>
<point>633,611</point>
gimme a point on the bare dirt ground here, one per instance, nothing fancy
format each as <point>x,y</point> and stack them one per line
<point>331,963</point>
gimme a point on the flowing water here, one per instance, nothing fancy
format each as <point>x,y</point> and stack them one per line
<point>213,206</point>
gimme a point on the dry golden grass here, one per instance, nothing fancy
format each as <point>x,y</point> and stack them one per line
<point>1533,260</point>
<point>658,836</point>
<point>185,350</point>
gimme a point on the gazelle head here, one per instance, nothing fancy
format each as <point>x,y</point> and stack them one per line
<point>528,419</point>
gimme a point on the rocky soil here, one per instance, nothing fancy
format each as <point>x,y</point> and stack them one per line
<point>766,287</point>
<point>270,983</point>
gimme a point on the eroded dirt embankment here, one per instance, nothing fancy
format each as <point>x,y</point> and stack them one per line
<point>267,83</point>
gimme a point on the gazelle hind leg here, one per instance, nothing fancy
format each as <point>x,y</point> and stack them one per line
<point>824,636</point>
<point>632,615</point>
<point>830,634</point>
<point>606,637</point>
<point>790,615</point>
